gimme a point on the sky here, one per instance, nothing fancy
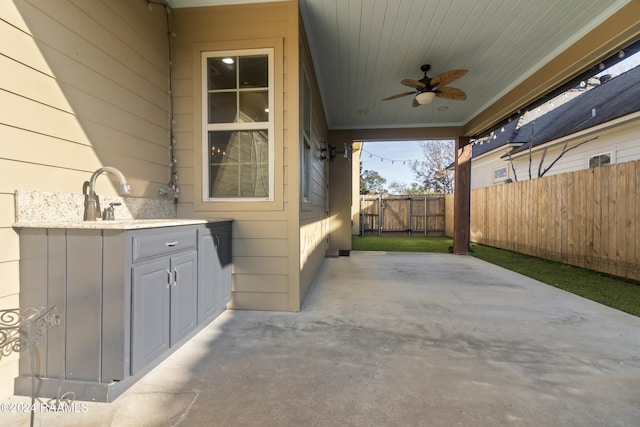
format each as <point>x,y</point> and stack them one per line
<point>387,159</point>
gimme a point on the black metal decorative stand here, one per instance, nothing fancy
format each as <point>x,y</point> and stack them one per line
<point>19,331</point>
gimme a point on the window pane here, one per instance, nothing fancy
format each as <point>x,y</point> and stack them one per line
<point>306,170</point>
<point>239,164</point>
<point>254,71</point>
<point>600,160</point>
<point>306,105</point>
<point>222,107</point>
<point>254,106</point>
<point>221,75</point>
<point>500,173</point>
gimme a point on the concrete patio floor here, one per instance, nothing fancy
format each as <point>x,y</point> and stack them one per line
<point>395,339</point>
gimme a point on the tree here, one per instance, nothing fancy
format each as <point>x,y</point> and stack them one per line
<point>371,182</point>
<point>541,170</point>
<point>412,189</point>
<point>432,171</point>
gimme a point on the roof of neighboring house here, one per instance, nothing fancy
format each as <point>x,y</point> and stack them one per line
<point>519,132</point>
<point>614,98</point>
<point>568,113</point>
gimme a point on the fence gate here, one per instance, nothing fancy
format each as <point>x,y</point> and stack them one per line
<point>412,215</point>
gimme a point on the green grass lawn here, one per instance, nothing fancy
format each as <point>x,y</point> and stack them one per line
<point>614,292</point>
<point>402,244</point>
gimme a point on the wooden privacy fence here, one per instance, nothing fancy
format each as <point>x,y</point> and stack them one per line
<point>587,218</point>
<point>415,215</point>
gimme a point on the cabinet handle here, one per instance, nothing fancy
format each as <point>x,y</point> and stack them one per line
<point>175,276</point>
<point>168,278</point>
<point>175,242</point>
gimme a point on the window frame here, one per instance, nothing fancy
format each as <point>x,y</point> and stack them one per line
<point>269,126</point>
<point>504,178</point>
<point>305,139</point>
<point>608,153</point>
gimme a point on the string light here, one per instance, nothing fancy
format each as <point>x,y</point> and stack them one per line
<point>383,159</point>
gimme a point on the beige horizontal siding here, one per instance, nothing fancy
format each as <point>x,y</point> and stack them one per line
<point>10,247</point>
<point>21,47</point>
<point>19,112</point>
<point>10,273</point>
<point>260,265</point>
<point>84,84</point>
<point>257,247</point>
<point>259,229</point>
<point>261,283</point>
<point>93,39</point>
<point>32,84</point>
<point>38,177</point>
<point>260,301</point>
<point>7,209</point>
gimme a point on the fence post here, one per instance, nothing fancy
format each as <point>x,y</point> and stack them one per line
<point>462,196</point>
<point>379,215</point>
<point>425,216</point>
<point>362,226</point>
<point>409,213</point>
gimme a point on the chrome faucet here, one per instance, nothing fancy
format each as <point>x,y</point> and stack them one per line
<point>92,203</point>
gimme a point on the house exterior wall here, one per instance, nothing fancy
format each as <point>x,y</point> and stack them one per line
<point>276,244</point>
<point>618,137</point>
<point>314,220</point>
<point>84,85</point>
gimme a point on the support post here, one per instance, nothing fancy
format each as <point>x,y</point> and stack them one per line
<point>462,196</point>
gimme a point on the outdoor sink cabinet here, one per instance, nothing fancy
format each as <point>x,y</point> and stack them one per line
<point>128,294</point>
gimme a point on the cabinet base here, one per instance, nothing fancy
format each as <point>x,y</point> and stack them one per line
<point>52,388</point>
<point>91,391</point>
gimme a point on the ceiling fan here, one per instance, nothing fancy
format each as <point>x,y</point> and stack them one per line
<point>427,88</point>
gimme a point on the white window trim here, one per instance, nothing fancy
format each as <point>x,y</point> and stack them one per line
<point>607,153</point>
<point>307,157</point>
<point>500,179</point>
<point>206,127</point>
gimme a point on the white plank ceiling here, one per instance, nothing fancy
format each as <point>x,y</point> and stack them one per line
<point>363,48</point>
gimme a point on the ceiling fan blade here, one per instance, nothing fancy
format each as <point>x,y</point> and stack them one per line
<point>399,95</point>
<point>447,77</point>
<point>415,103</point>
<point>413,83</point>
<point>450,93</point>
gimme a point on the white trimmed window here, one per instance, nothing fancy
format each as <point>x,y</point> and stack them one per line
<point>305,176</point>
<point>599,160</point>
<point>500,174</point>
<point>238,126</point>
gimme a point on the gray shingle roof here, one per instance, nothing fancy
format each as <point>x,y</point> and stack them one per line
<point>568,113</point>
<point>614,98</point>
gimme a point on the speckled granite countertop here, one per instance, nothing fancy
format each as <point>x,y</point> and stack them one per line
<point>36,209</point>
<point>123,224</point>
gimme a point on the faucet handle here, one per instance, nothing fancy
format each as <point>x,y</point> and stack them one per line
<point>109,213</point>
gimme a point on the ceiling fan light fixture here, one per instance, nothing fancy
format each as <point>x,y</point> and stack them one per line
<point>425,98</point>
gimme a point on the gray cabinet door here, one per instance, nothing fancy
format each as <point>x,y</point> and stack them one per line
<point>150,312</point>
<point>184,296</point>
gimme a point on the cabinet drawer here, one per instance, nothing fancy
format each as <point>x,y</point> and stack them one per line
<point>157,242</point>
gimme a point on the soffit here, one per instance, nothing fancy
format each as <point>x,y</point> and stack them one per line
<point>362,49</point>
